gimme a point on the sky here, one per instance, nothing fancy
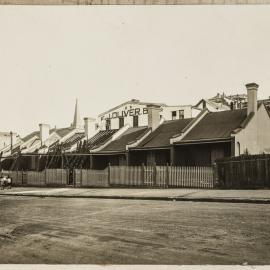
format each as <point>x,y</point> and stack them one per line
<point>106,55</point>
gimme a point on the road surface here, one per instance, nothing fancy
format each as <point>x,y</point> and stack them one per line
<point>98,231</point>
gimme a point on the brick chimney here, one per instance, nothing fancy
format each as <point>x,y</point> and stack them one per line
<point>89,127</point>
<point>153,116</point>
<point>252,89</point>
<point>44,132</point>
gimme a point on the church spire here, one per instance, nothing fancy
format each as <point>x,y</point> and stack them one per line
<point>77,120</point>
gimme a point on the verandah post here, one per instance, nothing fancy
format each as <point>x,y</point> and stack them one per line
<point>81,178</point>
<point>109,174</point>
<point>215,175</point>
<point>267,180</point>
<point>45,175</point>
<point>91,162</point>
<point>62,162</point>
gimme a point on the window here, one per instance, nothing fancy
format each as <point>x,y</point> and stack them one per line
<point>108,124</point>
<point>121,122</point>
<point>181,114</point>
<point>135,121</point>
<point>173,115</point>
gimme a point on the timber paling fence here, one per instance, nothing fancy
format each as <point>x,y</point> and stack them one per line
<point>48,177</point>
<point>120,176</point>
<point>246,171</point>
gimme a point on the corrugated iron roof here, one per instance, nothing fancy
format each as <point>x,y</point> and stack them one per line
<point>131,135</point>
<point>30,136</point>
<point>100,138</point>
<point>160,137</point>
<point>74,139</point>
<point>217,125</point>
<point>60,131</point>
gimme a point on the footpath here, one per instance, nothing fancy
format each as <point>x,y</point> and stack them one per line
<point>196,195</point>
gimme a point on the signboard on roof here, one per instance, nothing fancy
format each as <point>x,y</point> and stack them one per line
<point>125,113</point>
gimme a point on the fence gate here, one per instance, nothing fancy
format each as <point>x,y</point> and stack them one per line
<point>149,176</point>
<point>71,177</point>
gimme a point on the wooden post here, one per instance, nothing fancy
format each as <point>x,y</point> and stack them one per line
<point>109,174</point>
<point>38,160</point>
<point>267,180</point>
<point>172,155</point>
<point>45,175</point>
<point>232,146</point>
<point>91,162</point>
<point>127,158</point>
<point>17,180</point>
<point>67,175</point>
<point>142,176</point>
<point>81,178</point>
<point>216,182</point>
<point>1,154</point>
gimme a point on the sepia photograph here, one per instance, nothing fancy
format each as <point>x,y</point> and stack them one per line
<point>135,135</point>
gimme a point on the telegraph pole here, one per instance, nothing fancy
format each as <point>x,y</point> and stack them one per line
<point>11,141</point>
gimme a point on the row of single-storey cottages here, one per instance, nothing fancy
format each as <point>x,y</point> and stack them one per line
<point>185,141</point>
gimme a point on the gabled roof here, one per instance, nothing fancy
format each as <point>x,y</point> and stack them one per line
<point>160,138</point>
<point>213,104</point>
<point>100,138</point>
<point>30,136</point>
<point>216,125</point>
<point>74,139</point>
<point>62,131</point>
<point>131,135</point>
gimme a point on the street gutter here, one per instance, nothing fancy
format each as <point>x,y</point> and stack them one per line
<point>153,198</point>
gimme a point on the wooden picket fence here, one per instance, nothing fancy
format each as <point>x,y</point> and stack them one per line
<point>246,171</point>
<point>147,176</point>
<point>191,177</point>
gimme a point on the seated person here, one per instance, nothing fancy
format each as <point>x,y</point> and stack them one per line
<point>8,181</point>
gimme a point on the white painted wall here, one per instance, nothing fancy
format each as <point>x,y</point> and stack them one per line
<point>255,137</point>
<point>130,109</point>
<point>167,112</point>
<point>263,130</point>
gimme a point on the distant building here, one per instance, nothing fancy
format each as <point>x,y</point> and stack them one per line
<point>39,141</point>
<point>7,139</point>
<point>221,102</point>
<point>135,113</point>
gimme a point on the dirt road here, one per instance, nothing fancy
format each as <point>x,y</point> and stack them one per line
<point>96,231</point>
